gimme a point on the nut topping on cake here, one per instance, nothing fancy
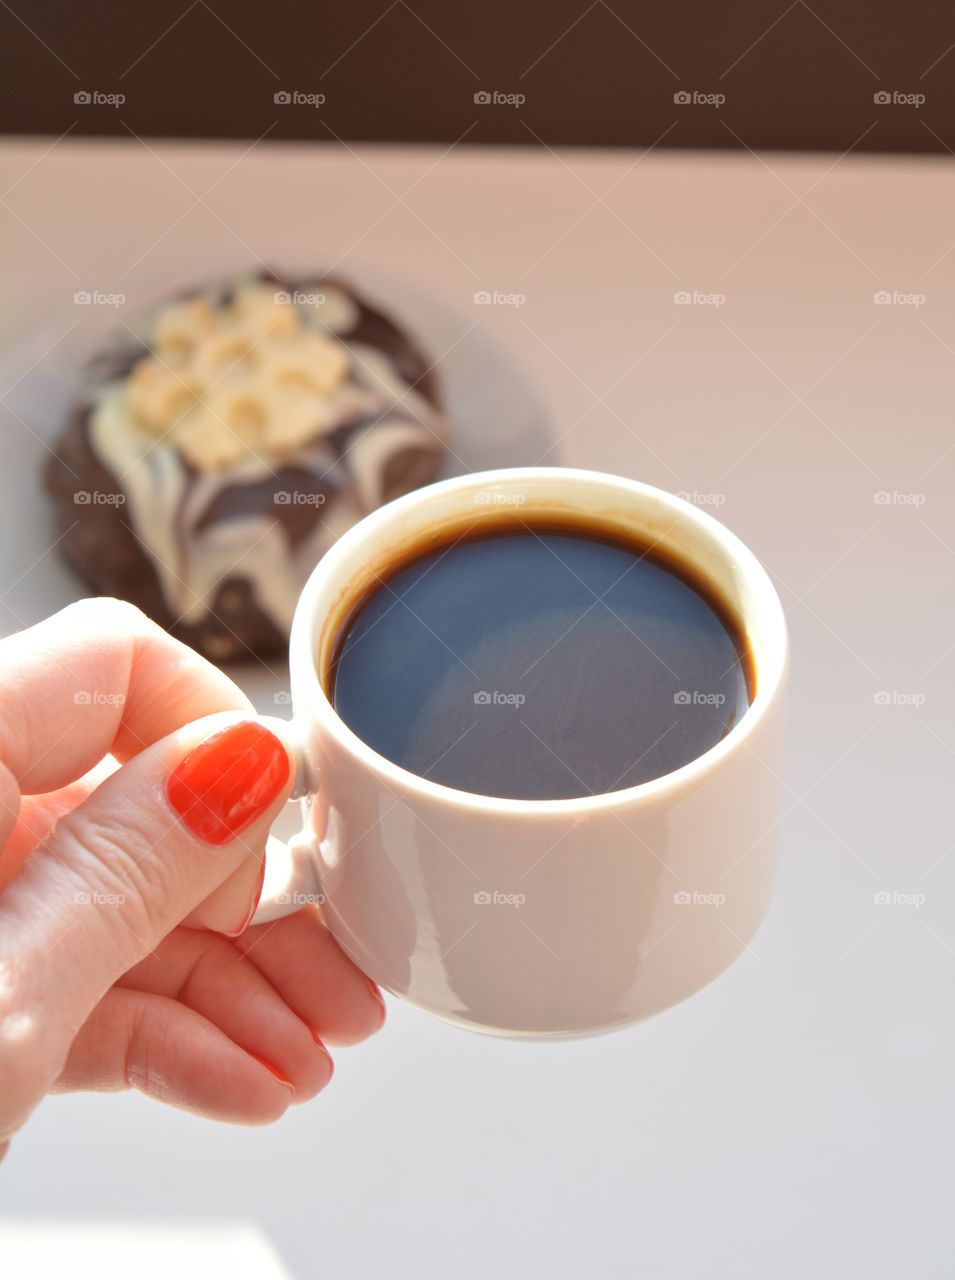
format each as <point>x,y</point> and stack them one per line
<point>247,379</point>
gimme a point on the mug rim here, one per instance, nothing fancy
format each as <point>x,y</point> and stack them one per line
<point>770,660</point>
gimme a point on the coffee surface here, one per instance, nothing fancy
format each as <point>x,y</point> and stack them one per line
<point>540,663</point>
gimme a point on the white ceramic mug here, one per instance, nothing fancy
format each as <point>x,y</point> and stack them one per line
<point>535,917</point>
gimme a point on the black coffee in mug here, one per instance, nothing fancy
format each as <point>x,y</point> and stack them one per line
<point>540,661</point>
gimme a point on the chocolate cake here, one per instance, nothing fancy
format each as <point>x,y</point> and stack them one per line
<point>220,446</point>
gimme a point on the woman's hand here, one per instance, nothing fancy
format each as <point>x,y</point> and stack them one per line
<point>136,792</point>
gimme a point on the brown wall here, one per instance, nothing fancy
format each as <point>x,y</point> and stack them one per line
<point>793,75</point>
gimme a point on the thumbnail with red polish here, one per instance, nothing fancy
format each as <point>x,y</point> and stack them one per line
<point>228,780</point>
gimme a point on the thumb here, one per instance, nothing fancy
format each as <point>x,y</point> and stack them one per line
<point>116,875</point>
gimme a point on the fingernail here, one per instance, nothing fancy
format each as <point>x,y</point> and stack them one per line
<point>373,988</point>
<point>235,933</point>
<point>321,1044</point>
<point>274,1070</point>
<point>227,781</point>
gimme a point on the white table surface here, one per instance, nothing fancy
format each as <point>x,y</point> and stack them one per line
<point>149,1250</point>
<point>796,1118</point>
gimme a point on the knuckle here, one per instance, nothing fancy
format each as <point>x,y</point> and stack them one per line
<point>114,861</point>
<point>217,963</point>
<point>140,1068</point>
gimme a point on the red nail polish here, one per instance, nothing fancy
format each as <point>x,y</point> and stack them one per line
<point>321,1044</point>
<point>235,933</point>
<point>274,1070</point>
<point>228,781</point>
<point>373,988</point>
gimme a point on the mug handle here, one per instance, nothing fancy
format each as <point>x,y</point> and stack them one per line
<point>291,868</point>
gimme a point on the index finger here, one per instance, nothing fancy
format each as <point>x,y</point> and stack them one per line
<point>98,678</point>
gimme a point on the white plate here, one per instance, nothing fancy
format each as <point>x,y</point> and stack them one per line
<point>497,420</point>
